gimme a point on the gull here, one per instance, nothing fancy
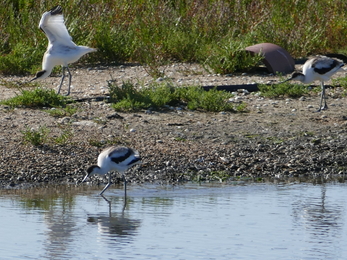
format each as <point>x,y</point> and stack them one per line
<point>114,158</point>
<point>61,49</point>
<point>318,68</point>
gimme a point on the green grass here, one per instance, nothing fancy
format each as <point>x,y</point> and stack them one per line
<point>156,33</point>
<point>40,136</point>
<point>275,140</point>
<point>180,139</point>
<point>68,110</point>
<point>342,82</point>
<point>283,90</point>
<point>229,56</point>
<point>39,97</point>
<point>128,97</point>
<point>35,137</point>
<point>64,137</point>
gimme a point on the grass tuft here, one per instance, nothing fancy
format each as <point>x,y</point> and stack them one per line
<point>68,110</point>
<point>39,97</point>
<point>64,137</point>
<point>128,97</point>
<point>283,90</point>
<point>228,57</point>
<point>35,137</point>
<point>40,136</point>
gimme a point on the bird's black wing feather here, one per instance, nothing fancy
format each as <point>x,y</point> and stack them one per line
<point>326,67</point>
<point>123,157</point>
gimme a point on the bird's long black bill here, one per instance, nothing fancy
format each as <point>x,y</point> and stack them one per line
<point>284,81</point>
<point>85,178</point>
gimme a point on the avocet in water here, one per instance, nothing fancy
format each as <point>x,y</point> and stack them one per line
<point>115,158</point>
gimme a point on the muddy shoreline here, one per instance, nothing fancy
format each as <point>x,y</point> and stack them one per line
<point>276,140</point>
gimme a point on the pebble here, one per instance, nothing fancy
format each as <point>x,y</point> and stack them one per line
<point>85,123</point>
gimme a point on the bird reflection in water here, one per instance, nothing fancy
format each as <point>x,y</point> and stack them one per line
<point>113,224</point>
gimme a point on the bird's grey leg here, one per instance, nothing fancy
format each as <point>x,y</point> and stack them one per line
<point>125,192</point>
<point>107,185</point>
<point>324,97</point>
<point>70,77</point>
<point>62,79</point>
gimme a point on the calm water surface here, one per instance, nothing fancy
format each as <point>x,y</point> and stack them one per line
<point>251,221</point>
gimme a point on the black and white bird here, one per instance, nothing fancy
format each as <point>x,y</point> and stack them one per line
<point>114,158</point>
<point>318,68</point>
<point>61,49</point>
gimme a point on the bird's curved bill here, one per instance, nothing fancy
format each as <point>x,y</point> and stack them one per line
<point>284,81</point>
<point>85,178</point>
<point>33,79</point>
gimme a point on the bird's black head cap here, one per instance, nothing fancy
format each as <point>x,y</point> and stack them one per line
<point>91,168</point>
<point>39,74</point>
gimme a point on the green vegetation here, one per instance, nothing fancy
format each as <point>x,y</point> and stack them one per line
<point>96,143</point>
<point>155,33</point>
<point>275,140</point>
<point>342,82</point>
<point>128,97</point>
<point>35,137</point>
<point>40,136</point>
<point>39,97</point>
<point>68,110</point>
<point>64,137</point>
<point>228,57</point>
<point>283,90</point>
<point>180,139</point>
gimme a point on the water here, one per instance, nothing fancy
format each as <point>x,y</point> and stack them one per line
<point>251,221</point>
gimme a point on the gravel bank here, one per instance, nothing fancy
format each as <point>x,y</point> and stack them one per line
<point>277,140</point>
